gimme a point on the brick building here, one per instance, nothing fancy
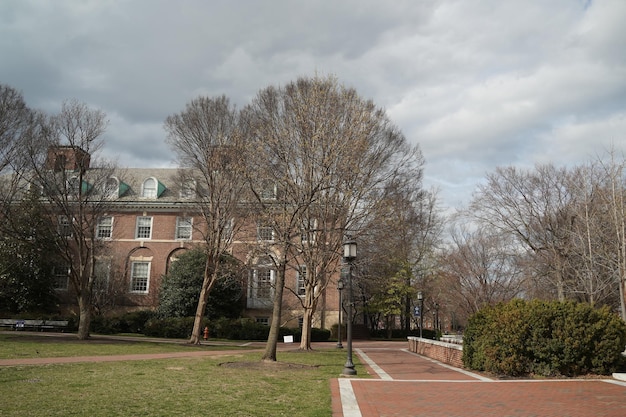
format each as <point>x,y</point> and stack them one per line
<point>150,220</point>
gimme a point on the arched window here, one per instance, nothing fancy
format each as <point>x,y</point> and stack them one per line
<point>149,188</point>
<point>111,187</point>
<point>261,285</point>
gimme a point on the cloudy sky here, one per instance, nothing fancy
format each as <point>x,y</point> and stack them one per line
<point>476,83</point>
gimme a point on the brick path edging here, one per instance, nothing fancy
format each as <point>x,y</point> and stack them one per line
<point>448,353</point>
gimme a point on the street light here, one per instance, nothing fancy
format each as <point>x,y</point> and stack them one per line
<point>340,288</point>
<point>349,255</point>
<point>420,298</point>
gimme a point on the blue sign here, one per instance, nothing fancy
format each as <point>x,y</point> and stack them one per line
<point>416,311</point>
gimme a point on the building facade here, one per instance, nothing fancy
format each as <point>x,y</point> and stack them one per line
<point>150,220</point>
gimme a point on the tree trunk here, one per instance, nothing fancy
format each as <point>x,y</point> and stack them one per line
<point>207,284</point>
<point>84,321</point>
<point>305,341</point>
<point>272,338</point>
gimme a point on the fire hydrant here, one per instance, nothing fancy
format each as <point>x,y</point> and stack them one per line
<point>206,333</point>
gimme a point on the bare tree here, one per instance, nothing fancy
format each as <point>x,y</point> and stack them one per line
<point>329,152</point>
<point>536,208</point>
<point>482,268</point>
<point>62,163</point>
<point>206,137</point>
<point>614,169</point>
<point>16,120</point>
<point>17,124</point>
<point>402,234</point>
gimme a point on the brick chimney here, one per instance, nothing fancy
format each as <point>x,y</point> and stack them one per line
<point>67,158</point>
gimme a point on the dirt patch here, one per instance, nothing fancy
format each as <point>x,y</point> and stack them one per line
<point>267,365</point>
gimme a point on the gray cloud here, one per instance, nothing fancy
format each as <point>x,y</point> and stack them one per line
<point>476,84</point>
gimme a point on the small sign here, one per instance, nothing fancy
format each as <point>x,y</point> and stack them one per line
<point>288,339</point>
<point>416,311</point>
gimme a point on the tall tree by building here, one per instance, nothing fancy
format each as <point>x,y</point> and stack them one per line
<point>207,140</point>
<point>329,152</point>
<point>73,184</point>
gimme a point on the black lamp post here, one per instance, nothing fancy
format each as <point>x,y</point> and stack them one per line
<point>420,298</point>
<point>349,255</point>
<point>340,289</point>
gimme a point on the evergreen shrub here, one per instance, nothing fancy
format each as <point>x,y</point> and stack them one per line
<point>544,338</point>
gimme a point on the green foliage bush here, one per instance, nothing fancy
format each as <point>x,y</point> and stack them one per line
<point>544,338</point>
<point>181,287</point>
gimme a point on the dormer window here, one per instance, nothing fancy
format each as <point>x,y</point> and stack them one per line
<point>149,189</point>
<point>268,190</point>
<point>76,187</point>
<point>111,187</point>
<point>73,186</point>
<point>152,188</point>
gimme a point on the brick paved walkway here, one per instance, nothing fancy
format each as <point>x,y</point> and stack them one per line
<point>404,384</point>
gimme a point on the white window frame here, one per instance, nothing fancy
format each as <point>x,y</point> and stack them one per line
<point>102,271</point>
<point>140,278</point>
<point>227,232</point>
<point>102,227</point>
<point>263,283</point>
<point>64,226</point>
<point>61,275</point>
<point>308,233</point>
<point>73,186</point>
<point>269,191</point>
<point>111,188</point>
<point>149,191</point>
<point>265,233</point>
<point>184,228</point>
<point>139,226</point>
<point>300,281</point>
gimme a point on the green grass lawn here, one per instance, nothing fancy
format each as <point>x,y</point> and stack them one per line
<point>238,384</point>
<point>30,345</point>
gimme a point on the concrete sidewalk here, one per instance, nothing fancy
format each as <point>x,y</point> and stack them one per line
<point>404,384</point>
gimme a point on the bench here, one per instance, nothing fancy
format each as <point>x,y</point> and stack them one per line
<point>41,325</point>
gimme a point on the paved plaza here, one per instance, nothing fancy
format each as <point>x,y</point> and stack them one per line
<point>404,384</point>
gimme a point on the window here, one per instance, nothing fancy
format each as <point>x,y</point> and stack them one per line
<point>64,226</point>
<point>261,285</point>
<point>264,278</point>
<point>268,191</point>
<point>61,275</point>
<point>149,189</point>
<point>227,231</point>
<point>144,227</point>
<point>139,277</point>
<point>263,320</point>
<point>111,188</point>
<point>301,280</point>
<point>102,272</point>
<point>265,232</point>
<point>104,229</point>
<point>73,186</point>
<point>309,231</point>
<point>183,228</point>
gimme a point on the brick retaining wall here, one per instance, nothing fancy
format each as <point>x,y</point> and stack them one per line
<point>450,353</point>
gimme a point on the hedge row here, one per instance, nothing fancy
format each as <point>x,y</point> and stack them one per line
<point>544,338</point>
